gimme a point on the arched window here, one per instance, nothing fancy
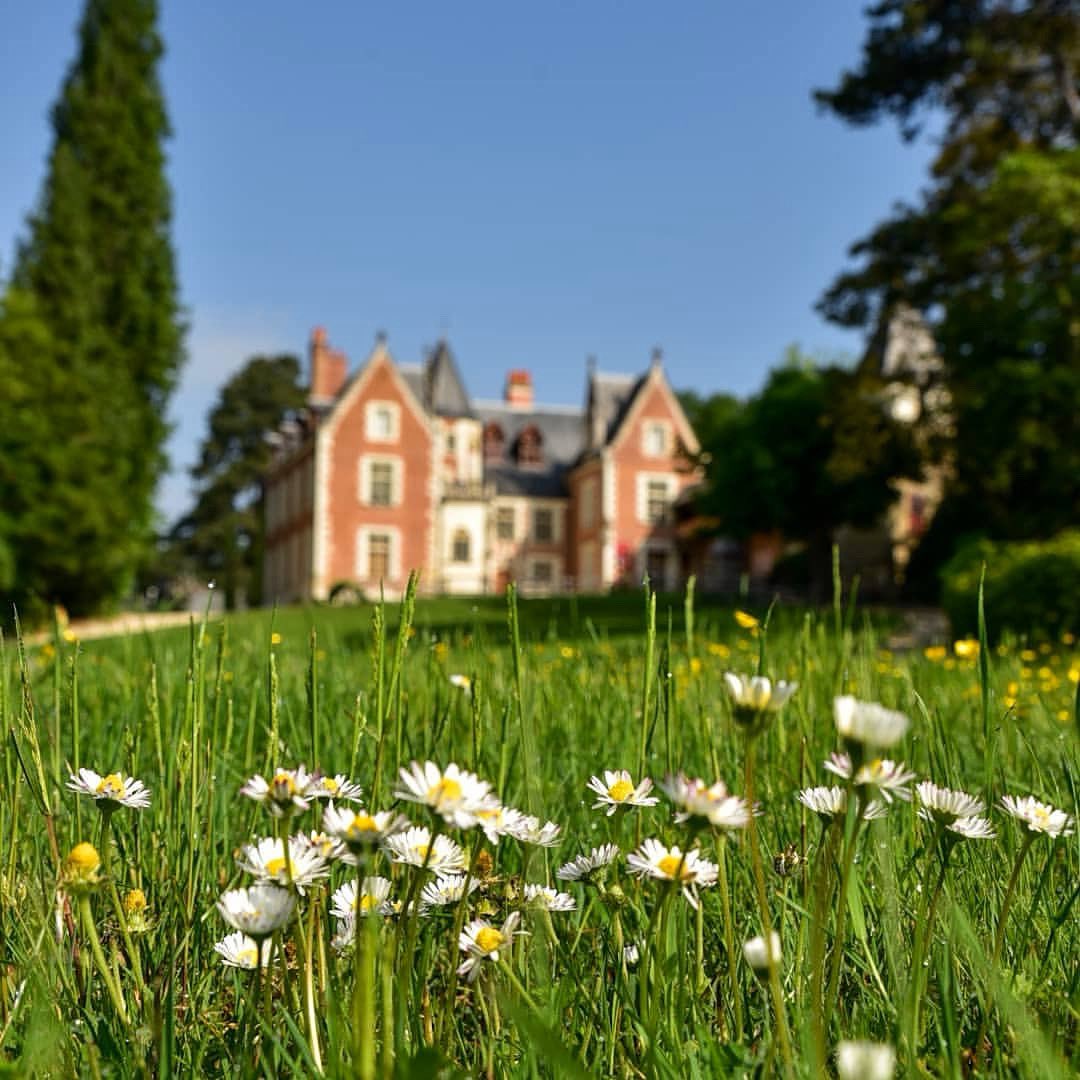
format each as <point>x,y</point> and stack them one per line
<point>494,441</point>
<point>461,546</point>
<point>530,446</point>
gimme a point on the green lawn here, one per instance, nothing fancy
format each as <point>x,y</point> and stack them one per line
<point>194,714</point>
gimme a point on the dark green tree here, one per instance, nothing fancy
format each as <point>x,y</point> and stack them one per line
<point>814,450</point>
<point>222,537</point>
<point>97,271</point>
<point>991,254</point>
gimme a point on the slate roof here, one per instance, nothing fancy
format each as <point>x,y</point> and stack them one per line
<point>609,399</point>
<point>561,427</point>
<point>543,483</point>
<point>444,389</point>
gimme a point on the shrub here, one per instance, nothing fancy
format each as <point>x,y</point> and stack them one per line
<point>1031,587</point>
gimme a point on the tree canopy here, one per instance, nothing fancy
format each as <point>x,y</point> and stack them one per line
<point>991,253</point>
<point>91,340</point>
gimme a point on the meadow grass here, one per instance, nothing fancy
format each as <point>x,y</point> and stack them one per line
<point>888,929</point>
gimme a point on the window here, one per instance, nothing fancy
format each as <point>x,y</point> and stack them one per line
<point>543,525</point>
<point>381,421</point>
<point>494,442</point>
<point>461,546</point>
<point>656,438</point>
<point>451,442</point>
<point>504,523</point>
<point>656,502</point>
<point>656,567</point>
<point>530,446</point>
<point>542,573</point>
<point>382,484</point>
<point>378,565</point>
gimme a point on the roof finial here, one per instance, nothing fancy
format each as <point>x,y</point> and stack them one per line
<point>657,356</point>
<point>380,337</point>
<point>590,365</point>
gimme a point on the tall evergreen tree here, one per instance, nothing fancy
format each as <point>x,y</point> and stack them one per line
<point>97,270</point>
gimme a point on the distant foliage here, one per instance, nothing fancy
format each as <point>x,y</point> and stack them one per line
<point>1031,588</point>
<point>91,339</point>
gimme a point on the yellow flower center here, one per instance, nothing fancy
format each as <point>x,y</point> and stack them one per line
<point>330,784</point>
<point>621,790</point>
<point>446,790</point>
<point>283,779</point>
<point>421,850</point>
<point>134,901</point>
<point>111,786</point>
<point>280,865</point>
<point>84,858</point>
<point>669,865</point>
<point>363,823</point>
<point>248,956</point>
<point>488,939</point>
<point>1042,815</point>
<point>367,902</point>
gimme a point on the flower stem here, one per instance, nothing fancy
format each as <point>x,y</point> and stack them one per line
<point>118,909</point>
<point>99,958</point>
<point>775,989</point>
<point>832,994</point>
<point>729,935</point>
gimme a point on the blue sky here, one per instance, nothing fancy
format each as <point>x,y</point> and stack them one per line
<point>538,182</point>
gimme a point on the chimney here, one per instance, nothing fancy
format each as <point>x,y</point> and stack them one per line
<point>329,368</point>
<point>519,389</point>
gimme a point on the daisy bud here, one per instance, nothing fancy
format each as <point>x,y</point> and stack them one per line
<point>81,868</point>
<point>756,953</point>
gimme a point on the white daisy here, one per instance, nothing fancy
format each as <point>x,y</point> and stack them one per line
<point>530,831</point>
<point>267,861</point>
<point>258,911</point>
<point>329,847</point>
<point>111,791</point>
<point>335,787</point>
<point>445,890</point>
<point>1039,817</point>
<point>498,821</point>
<point>889,778</point>
<point>617,791</point>
<point>956,811</point>
<point>827,802</point>
<point>374,893</point>
<point>756,952</point>
<point>453,794</point>
<point>584,867</point>
<point>755,698</point>
<point>239,951</point>
<point>360,830</point>
<point>655,860</point>
<point>287,792</point>
<point>631,954</point>
<point>463,683</point>
<point>344,933</point>
<point>549,899</point>
<point>972,828</point>
<point>861,1060</point>
<point>868,723</point>
<point>702,803</point>
<point>415,848</point>
<point>482,941</point>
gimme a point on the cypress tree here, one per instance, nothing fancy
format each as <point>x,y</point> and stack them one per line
<point>97,270</point>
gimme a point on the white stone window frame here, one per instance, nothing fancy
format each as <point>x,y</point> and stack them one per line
<point>553,566</point>
<point>515,532</point>
<point>371,432</point>
<point>556,512</point>
<point>667,435</point>
<point>470,546</point>
<point>363,552</point>
<point>644,480</point>
<point>396,483</point>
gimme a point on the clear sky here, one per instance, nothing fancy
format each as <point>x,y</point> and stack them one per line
<point>537,181</point>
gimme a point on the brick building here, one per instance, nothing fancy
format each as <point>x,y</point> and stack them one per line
<point>395,467</point>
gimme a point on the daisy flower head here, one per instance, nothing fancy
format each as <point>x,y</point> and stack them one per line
<point>498,821</point>
<point>756,698</point>
<point>586,867</point>
<point>861,1060</point>
<point>1039,817</point>
<point>287,792</point>
<point>453,794</point>
<point>359,830</point>
<point>81,868</point>
<point>415,847</point>
<point>334,787</point>
<point>463,683</point>
<point>481,941</point>
<point>445,890</point>
<point>617,791</point>
<point>258,910</point>
<point>374,893</point>
<point>956,811</point>
<point>112,791</point>
<point>531,831</point>
<point>329,847</point>
<point>688,868</point>
<point>293,865</point>
<point>756,952</point>
<point>828,802</point>
<point>704,804</point>
<point>866,723</point>
<point>136,917</point>
<point>890,779</point>
<point>237,950</point>
<point>548,899</point>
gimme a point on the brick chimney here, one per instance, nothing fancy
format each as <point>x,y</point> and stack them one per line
<point>329,368</point>
<point>519,389</point>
